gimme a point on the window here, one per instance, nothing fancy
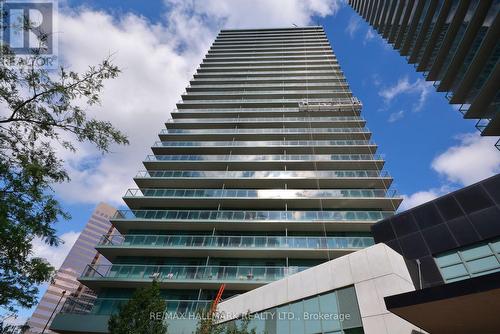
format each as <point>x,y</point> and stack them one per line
<point>467,262</point>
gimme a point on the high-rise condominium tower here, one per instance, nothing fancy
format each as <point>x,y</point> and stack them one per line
<point>453,42</point>
<point>64,282</point>
<point>265,169</point>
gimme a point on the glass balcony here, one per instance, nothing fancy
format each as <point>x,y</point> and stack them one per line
<point>235,241</point>
<point>265,100</point>
<point>267,143</point>
<point>252,61</point>
<point>267,157</point>
<point>256,47</point>
<point>277,85</point>
<point>258,41</point>
<point>279,174</point>
<point>266,119</point>
<point>164,273</point>
<point>266,131</point>
<point>239,110</point>
<point>261,193</point>
<point>248,215</point>
<point>267,51</point>
<point>108,306</point>
<point>335,77</point>
<point>277,54</point>
<point>304,91</point>
<point>272,74</point>
<point>277,66</point>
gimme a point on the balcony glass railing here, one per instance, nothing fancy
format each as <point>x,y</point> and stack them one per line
<point>334,78</point>
<point>286,100</point>
<point>277,85</point>
<point>249,62</point>
<point>108,306</point>
<point>261,193</point>
<point>269,51</point>
<point>164,273</point>
<point>273,65</point>
<point>235,241</point>
<point>267,46</point>
<point>273,74</point>
<point>277,54</point>
<point>304,91</point>
<point>225,215</point>
<point>266,143</point>
<point>262,174</point>
<point>239,110</point>
<point>267,131</point>
<point>266,119</point>
<point>266,157</point>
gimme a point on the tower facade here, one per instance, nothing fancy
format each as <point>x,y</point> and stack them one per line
<point>265,169</point>
<point>65,281</point>
<point>453,43</point>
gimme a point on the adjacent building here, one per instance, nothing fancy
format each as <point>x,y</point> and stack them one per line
<point>451,246</point>
<point>266,169</point>
<point>65,282</point>
<point>453,43</point>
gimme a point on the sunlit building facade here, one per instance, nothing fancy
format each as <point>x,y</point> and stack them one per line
<point>264,170</point>
<point>65,281</point>
<point>453,43</point>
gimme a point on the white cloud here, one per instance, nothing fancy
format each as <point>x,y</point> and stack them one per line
<point>259,13</point>
<point>369,36</point>
<point>353,25</point>
<point>415,199</point>
<point>420,197</point>
<point>55,255</point>
<point>396,116</point>
<point>420,87</point>
<point>157,62</point>
<point>473,159</point>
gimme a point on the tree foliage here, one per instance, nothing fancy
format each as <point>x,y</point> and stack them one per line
<point>208,324</point>
<point>135,317</point>
<point>41,112</point>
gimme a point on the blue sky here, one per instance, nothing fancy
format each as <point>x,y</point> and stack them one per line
<point>429,148</point>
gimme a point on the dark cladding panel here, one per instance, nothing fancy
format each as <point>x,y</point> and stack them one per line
<point>487,222</point>
<point>383,232</point>
<point>473,199</point>
<point>404,224</point>
<point>439,238</point>
<point>449,207</point>
<point>465,217</point>
<point>430,272</point>
<point>427,215</point>
<point>463,231</point>
<point>413,246</point>
<point>492,185</point>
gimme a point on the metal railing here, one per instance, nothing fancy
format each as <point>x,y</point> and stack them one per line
<point>261,193</point>
<point>263,143</point>
<point>279,174</point>
<point>267,100</point>
<point>234,241</point>
<point>108,306</point>
<point>335,77</point>
<point>267,157</point>
<point>304,91</point>
<point>163,273</point>
<point>267,131</point>
<point>266,119</point>
<point>253,215</point>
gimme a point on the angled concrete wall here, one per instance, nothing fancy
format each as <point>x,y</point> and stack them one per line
<point>376,272</point>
